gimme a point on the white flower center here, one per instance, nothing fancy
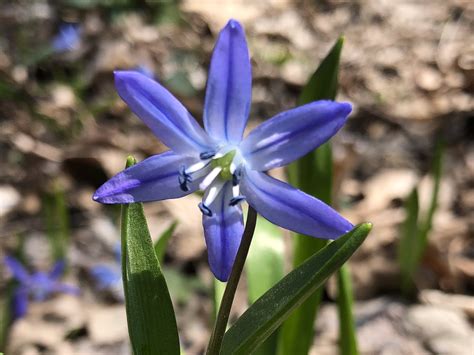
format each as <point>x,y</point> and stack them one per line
<point>217,168</point>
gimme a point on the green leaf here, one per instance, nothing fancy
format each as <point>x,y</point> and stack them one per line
<point>408,245</point>
<point>269,311</point>
<point>57,222</point>
<point>347,336</point>
<point>323,84</point>
<point>150,316</point>
<point>218,293</point>
<point>415,229</point>
<point>264,268</point>
<point>436,171</point>
<point>162,242</point>
<point>312,174</point>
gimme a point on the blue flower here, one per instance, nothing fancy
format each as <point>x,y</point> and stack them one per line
<point>39,285</point>
<point>110,276</point>
<point>67,39</point>
<point>219,161</point>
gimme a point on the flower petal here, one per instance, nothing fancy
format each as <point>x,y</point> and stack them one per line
<point>57,270</point>
<point>153,179</point>
<point>162,113</point>
<point>65,288</point>
<point>223,232</point>
<point>291,134</point>
<point>19,272</point>
<point>20,302</point>
<point>290,208</point>
<point>229,86</point>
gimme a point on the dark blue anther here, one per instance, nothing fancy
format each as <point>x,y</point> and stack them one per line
<point>207,155</point>
<point>205,210</point>
<point>184,178</point>
<point>236,177</point>
<point>236,200</point>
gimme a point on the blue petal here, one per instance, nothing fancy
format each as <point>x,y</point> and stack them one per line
<point>67,39</point>
<point>106,276</point>
<point>19,272</point>
<point>162,113</point>
<point>153,179</point>
<point>20,302</point>
<point>64,288</point>
<point>291,134</point>
<point>229,86</point>
<point>290,208</point>
<point>223,232</point>
<point>58,269</point>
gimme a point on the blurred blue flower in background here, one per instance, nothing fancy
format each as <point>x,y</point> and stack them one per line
<point>67,39</point>
<point>39,285</point>
<point>219,161</point>
<point>109,276</point>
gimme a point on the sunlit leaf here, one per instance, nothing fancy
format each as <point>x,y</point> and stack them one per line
<point>269,311</point>
<point>264,268</point>
<point>150,316</point>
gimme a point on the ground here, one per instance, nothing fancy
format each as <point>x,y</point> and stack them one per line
<point>408,69</point>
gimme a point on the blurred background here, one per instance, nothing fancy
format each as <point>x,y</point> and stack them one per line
<point>407,67</point>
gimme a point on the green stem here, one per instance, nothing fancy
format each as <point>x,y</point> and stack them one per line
<point>223,316</point>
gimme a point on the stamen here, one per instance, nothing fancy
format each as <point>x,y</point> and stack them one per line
<point>236,176</point>
<point>212,192</point>
<point>207,155</point>
<point>210,178</point>
<point>205,210</point>
<point>184,178</point>
<point>235,190</point>
<point>236,200</point>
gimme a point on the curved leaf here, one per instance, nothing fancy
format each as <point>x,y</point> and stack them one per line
<point>270,310</point>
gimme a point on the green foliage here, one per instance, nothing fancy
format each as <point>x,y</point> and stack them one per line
<point>415,229</point>
<point>264,268</point>
<point>5,313</point>
<point>162,242</point>
<point>347,336</point>
<point>151,321</point>
<point>313,175</point>
<point>270,310</point>
<point>56,217</point>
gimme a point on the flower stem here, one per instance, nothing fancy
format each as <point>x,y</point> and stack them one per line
<point>217,336</point>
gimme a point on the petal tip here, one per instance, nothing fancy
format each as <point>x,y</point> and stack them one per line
<point>346,107</point>
<point>234,25</point>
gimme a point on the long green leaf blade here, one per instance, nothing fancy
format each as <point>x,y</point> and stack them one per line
<point>150,316</point>
<point>270,310</point>
<point>347,336</point>
<point>162,242</point>
<point>264,268</point>
<point>407,246</point>
<point>313,174</point>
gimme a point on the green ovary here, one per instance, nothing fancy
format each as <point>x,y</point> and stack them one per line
<point>224,162</point>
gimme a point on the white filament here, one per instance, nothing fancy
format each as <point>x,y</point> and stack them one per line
<point>210,178</point>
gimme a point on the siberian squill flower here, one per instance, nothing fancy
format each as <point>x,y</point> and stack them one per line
<point>39,285</point>
<point>109,277</point>
<point>219,161</point>
<point>67,39</point>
